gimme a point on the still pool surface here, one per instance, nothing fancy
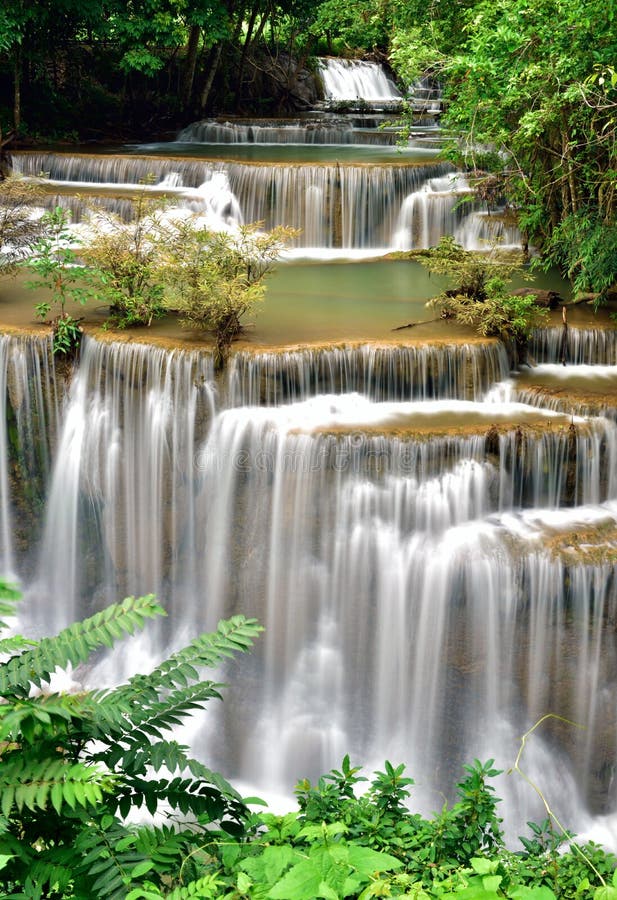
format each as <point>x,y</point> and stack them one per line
<point>308,303</point>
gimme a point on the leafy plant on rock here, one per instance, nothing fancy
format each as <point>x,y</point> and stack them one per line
<point>214,278</point>
<point>480,298</point>
<point>124,260</point>
<point>20,228</point>
<point>55,263</point>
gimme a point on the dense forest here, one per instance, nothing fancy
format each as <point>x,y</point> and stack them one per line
<point>530,88</point>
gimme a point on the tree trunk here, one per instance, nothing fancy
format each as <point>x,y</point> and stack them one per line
<point>245,49</point>
<point>189,66</point>
<point>17,90</point>
<point>214,64</point>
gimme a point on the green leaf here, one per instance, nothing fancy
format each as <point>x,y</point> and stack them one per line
<point>300,883</point>
<point>483,866</point>
<point>142,867</point>
<point>243,883</point>
<point>605,892</point>
<point>368,862</point>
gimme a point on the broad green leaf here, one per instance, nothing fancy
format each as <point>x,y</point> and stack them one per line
<point>606,892</point>
<point>368,862</point>
<point>142,867</point>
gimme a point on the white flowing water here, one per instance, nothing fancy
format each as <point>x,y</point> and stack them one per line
<point>395,549</point>
<point>347,208</point>
<point>592,346</point>
<point>318,131</point>
<point>355,79</point>
<point>382,373</point>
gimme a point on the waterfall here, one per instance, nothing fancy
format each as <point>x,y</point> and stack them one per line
<point>582,390</point>
<point>332,205</point>
<point>30,400</point>
<point>413,555</point>
<point>591,346</point>
<point>383,373</point>
<point>434,573</point>
<point>355,79</point>
<point>430,212</point>
<point>482,231</point>
<point>120,503</point>
<point>302,131</point>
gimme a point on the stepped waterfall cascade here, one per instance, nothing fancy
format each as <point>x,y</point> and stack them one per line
<point>352,79</point>
<point>429,538</point>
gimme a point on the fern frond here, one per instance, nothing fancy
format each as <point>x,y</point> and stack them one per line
<point>117,713</point>
<point>9,596</point>
<point>196,796</point>
<point>33,718</point>
<point>166,846</point>
<point>15,644</point>
<point>52,874</point>
<point>38,783</point>
<point>207,888</point>
<point>75,644</point>
<point>234,635</point>
<point>107,856</point>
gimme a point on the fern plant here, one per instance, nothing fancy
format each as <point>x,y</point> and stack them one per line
<point>72,766</point>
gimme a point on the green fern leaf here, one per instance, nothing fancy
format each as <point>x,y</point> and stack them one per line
<point>27,780</point>
<point>15,644</point>
<point>232,636</point>
<point>107,857</point>
<point>74,645</point>
<point>9,597</point>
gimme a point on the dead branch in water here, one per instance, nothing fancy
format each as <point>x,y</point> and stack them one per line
<point>413,324</point>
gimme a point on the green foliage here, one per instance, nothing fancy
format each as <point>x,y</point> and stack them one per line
<point>55,263</point>
<point>585,249</point>
<point>19,228</point>
<point>72,766</point>
<point>123,260</point>
<point>534,83</point>
<point>213,279</point>
<point>361,26</point>
<point>480,298</point>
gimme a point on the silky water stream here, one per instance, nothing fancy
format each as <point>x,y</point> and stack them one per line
<point>429,540</point>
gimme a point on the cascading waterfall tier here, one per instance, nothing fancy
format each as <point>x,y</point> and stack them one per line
<point>30,404</point>
<point>589,346</point>
<point>415,561</point>
<point>355,79</point>
<point>345,206</point>
<point>582,390</point>
<point>403,590</point>
<point>333,130</point>
<point>120,502</point>
<point>422,371</point>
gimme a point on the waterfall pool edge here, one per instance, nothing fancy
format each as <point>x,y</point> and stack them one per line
<point>306,304</point>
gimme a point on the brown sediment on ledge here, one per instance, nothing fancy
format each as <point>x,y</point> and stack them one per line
<point>34,329</point>
<point>355,344</point>
<point>438,427</point>
<point>399,163</point>
<point>586,544</point>
<point>143,336</point>
<point>578,401</point>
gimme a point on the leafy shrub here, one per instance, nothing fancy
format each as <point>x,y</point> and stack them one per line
<point>480,298</point>
<point>74,765</point>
